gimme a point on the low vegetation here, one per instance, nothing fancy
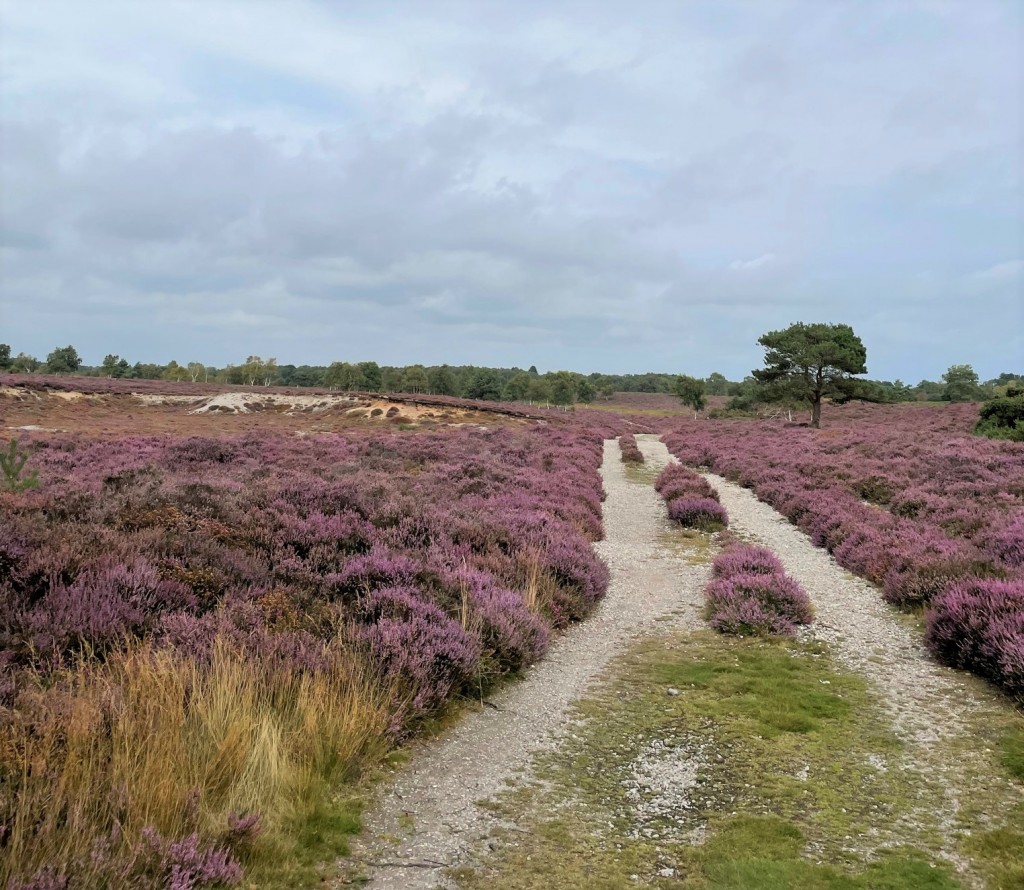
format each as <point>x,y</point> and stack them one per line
<point>690,500</point>
<point>905,498</point>
<point>708,761</point>
<point>203,642</point>
<point>631,453</point>
<point>750,594</point>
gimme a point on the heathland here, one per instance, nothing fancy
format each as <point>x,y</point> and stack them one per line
<point>221,614</point>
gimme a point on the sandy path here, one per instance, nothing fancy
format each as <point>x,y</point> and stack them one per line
<point>429,819</point>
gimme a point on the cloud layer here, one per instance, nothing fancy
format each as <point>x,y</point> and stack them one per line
<point>582,185</point>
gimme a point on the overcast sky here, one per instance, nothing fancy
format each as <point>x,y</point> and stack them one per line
<point>596,186</point>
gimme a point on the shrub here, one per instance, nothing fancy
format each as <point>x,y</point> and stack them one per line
<point>512,636</point>
<point>757,604</point>
<point>436,562</point>
<point>12,467</point>
<point>700,513</point>
<point>1003,417</point>
<point>955,510</point>
<point>874,489</point>
<point>978,625</point>
<point>1006,543</point>
<point>746,561</point>
<point>672,472</point>
<point>913,583</point>
<point>631,453</point>
<point>751,594</point>
<point>418,645</point>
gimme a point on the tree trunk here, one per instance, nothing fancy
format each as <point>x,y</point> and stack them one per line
<point>816,413</point>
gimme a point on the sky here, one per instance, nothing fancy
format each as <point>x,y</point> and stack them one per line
<point>597,186</point>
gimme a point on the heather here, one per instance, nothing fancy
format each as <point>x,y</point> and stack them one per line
<point>631,453</point>
<point>200,634</point>
<point>904,496</point>
<point>978,624</point>
<point>751,595</point>
<point>690,500</point>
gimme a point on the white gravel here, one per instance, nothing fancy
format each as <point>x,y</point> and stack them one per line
<point>428,818</point>
<point>662,778</point>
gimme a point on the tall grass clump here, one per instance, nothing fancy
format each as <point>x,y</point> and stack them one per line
<point>119,774</point>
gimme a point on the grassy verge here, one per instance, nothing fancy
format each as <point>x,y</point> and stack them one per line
<point>711,762</point>
<point>151,742</point>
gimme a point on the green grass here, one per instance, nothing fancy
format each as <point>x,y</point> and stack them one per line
<point>1013,752</point>
<point>763,692</point>
<point>319,838</point>
<point>765,853</point>
<point>801,784</point>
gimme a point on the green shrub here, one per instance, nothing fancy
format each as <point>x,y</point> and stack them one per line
<point>1003,417</point>
<point>12,465</point>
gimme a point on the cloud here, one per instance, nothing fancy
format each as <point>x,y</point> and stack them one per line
<point>998,277</point>
<point>566,184</point>
<point>756,263</point>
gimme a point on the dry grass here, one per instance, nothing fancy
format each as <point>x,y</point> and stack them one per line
<point>532,583</point>
<point>155,739</point>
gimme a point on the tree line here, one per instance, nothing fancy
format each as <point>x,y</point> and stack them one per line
<point>959,383</point>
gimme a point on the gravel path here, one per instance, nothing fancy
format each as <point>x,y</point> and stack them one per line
<point>931,707</point>
<point>429,819</point>
<point>925,699</point>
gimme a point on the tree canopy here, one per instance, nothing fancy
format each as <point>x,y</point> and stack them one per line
<point>690,391</point>
<point>806,362</point>
<point>961,384</point>
<point>63,360</point>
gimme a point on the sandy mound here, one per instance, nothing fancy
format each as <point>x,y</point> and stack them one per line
<point>248,402</point>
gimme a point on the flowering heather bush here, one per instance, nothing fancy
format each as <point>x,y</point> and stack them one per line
<point>700,513</point>
<point>743,560</point>
<point>416,642</point>
<point>276,536</point>
<point>979,625</point>
<point>631,453</point>
<point>512,636</point>
<point>438,561</point>
<point>691,501</point>
<point>182,865</point>
<point>750,594</point>
<point>155,864</point>
<point>901,495</point>
<point>677,481</point>
<point>1006,542</point>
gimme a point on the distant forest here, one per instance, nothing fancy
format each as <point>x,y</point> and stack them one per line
<point>959,383</point>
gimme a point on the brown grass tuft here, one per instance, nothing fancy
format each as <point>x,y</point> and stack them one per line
<point>152,738</point>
